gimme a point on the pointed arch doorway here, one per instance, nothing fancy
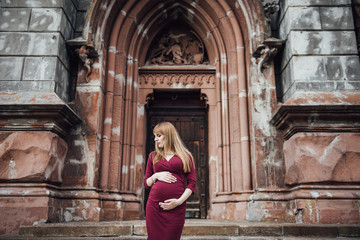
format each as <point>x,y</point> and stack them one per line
<point>187,111</point>
<point>136,67</point>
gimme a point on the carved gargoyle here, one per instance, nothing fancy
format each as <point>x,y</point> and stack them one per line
<point>87,55</point>
<point>266,51</point>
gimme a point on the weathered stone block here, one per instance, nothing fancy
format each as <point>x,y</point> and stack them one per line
<point>317,2</point>
<point>24,86</point>
<point>300,18</point>
<point>32,156</point>
<point>45,19</point>
<point>336,18</point>
<point>10,68</point>
<point>329,42</point>
<point>318,43</point>
<point>80,21</point>
<point>40,68</point>
<point>308,68</point>
<point>308,73</point>
<point>62,81</point>
<point>70,11</point>
<point>24,210</point>
<point>14,19</point>
<point>82,5</point>
<point>328,211</point>
<point>343,68</point>
<point>321,157</point>
<point>29,43</point>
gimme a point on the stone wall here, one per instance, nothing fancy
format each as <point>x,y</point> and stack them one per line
<point>319,116</point>
<point>36,83</point>
<point>320,54</point>
<point>33,55</point>
<point>306,171</point>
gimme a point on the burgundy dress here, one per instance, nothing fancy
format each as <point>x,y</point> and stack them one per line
<point>162,224</point>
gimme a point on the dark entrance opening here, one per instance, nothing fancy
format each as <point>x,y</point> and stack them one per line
<point>187,111</point>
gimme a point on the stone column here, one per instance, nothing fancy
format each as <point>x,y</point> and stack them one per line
<point>319,117</point>
<point>35,119</point>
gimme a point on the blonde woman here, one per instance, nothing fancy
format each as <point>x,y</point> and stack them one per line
<point>168,170</point>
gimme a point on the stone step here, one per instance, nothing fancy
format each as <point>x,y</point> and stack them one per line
<point>193,229</point>
<point>182,238</point>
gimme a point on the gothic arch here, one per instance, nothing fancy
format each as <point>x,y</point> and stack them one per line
<point>123,31</point>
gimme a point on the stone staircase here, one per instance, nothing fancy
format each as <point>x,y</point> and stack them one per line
<point>194,229</point>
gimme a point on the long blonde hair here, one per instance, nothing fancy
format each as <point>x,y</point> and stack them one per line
<point>172,143</point>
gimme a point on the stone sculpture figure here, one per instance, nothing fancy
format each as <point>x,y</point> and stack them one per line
<point>177,47</point>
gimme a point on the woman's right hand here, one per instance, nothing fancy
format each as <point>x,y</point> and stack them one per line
<point>165,177</point>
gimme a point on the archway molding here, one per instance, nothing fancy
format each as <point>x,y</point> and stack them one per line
<point>123,31</point>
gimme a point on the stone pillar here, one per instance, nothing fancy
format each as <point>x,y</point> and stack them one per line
<point>35,119</point>
<point>320,54</point>
<point>319,117</point>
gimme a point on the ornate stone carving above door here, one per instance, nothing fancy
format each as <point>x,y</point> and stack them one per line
<point>177,46</point>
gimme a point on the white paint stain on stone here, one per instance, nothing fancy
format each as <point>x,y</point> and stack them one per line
<point>125,170</point>
<point>96,66</point>
<point>329,194</point>
<point>112,73</point>
<point>140,111</point>
<point>242,94</point>
<point>245,138</point>
<point>5,192</point>
<point>329,149</point>
<point>116,131</point>
<point>68,216</point>
<point>232,78</point>
<point>140,28</point>
<point>224,58</point>
<point>123,12</point>
<point>112,49</point>
<point>108,121</point>
<point>315,194</point>
<point>12,171</point>
<point>139,159</point>
<point>120,78</point>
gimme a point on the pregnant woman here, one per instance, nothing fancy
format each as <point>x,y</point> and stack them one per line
<point>168,170</point>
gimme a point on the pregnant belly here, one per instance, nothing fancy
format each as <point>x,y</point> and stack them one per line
<point>162,191</point>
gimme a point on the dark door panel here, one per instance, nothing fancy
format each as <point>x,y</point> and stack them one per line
<point>192,128</point>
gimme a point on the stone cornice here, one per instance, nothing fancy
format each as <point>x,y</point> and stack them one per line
<point>160,76</point>
<point>291,119</point>
<point>57,118</point>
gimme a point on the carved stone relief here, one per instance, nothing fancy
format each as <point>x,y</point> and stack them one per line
<point>177,47</point>
<point>168,79</point>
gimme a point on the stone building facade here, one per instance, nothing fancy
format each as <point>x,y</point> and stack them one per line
<point>265,94</point>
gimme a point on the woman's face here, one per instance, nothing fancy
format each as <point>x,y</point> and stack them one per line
<point>159,140</point>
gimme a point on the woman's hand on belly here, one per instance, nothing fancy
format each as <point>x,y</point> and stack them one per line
<point>165,177</point>
<point>170,204</point>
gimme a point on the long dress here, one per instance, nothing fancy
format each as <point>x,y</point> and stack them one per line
<point>167,224</point>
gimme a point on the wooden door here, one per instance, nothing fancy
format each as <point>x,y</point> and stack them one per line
<point>191,124</point>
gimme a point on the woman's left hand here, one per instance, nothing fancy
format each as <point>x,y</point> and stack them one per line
<point>169,204</point>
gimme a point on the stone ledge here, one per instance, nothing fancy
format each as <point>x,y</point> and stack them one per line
<point>320,118</point>
<point>36,112</point>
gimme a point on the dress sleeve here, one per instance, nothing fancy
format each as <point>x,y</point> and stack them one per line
<point>191,177</point>
<point>149,169</point>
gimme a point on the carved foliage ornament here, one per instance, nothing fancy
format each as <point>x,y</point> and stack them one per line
<point>177,47</point>
<point>168,79</point>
